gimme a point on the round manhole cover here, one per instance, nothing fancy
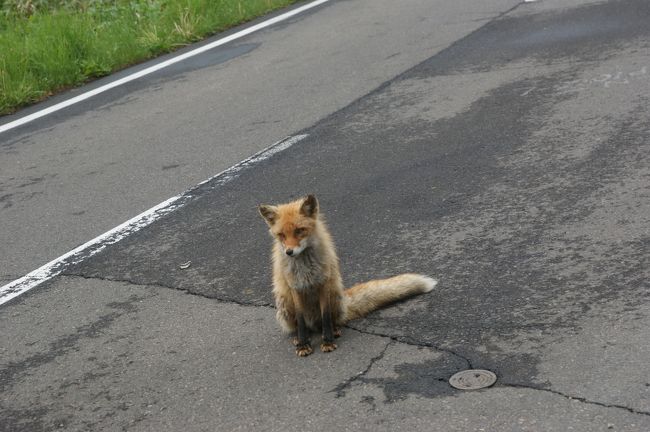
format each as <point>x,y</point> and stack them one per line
<point>473,379</point>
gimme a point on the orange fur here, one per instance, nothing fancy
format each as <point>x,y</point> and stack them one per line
<point>307,282</point>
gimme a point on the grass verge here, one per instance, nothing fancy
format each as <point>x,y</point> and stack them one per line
<point>50,45</point>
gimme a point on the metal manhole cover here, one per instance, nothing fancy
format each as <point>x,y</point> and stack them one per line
<point>473,379</point>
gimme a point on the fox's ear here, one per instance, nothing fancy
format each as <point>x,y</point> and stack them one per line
<point>269,213</point>
<point>309,206</point>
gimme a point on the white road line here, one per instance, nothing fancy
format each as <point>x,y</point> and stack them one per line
<point>21,121</point>
<point>96,245</point>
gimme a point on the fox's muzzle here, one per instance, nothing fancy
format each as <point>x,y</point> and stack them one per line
<point>294,251</point>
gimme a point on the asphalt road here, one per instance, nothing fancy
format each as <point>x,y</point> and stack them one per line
<point>79,172</point>
<point>511,165</point>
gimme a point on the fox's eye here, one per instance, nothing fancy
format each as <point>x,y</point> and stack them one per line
<point>281,236</point>
<point>299,231</point>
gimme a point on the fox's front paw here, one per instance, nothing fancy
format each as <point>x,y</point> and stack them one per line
<point>327,346</point>
<point>304,350</point>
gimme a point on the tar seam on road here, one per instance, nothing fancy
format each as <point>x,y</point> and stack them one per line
<point>96,245</point>
<point>159,66</point>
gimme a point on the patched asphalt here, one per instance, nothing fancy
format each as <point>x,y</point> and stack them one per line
<point>513,167</point>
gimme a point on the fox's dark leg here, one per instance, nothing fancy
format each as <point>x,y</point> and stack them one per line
<point>303,348</point>
<point>328,344</point>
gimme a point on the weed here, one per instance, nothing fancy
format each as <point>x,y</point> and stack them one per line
<point>49,45</point>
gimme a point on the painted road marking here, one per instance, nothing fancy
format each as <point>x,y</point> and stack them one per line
<point>159,66</point>
<point>96,245</point>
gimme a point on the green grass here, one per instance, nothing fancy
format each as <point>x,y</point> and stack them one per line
<point>50,45</point>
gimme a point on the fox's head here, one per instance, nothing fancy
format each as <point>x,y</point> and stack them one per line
<point>292,224</point>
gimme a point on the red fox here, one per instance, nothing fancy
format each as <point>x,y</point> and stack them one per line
<point>307,285</point>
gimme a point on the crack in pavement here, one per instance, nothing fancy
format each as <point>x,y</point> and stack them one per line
<point>410,341</point>
<point>159,285</point>
<point>576,398</point>
<point>399,339</point>
<point>340,389</point>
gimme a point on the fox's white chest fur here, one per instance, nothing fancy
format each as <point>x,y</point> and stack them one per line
<point>306,271</point>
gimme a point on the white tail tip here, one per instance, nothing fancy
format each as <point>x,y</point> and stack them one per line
<point>429,283</point>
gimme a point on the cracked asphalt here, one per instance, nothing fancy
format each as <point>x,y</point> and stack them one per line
<point>512,166</point>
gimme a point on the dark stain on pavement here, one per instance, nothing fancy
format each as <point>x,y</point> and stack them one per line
<point>590,32</point>
<point>14,370</point>
<point>427,379</point>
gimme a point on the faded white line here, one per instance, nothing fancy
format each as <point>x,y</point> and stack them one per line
<point>96,245</point>
<point>23,120</point>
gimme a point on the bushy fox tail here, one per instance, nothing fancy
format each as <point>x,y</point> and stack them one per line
<point>364,298</point>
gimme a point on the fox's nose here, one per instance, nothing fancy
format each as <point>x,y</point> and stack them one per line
<point>289,252</point>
